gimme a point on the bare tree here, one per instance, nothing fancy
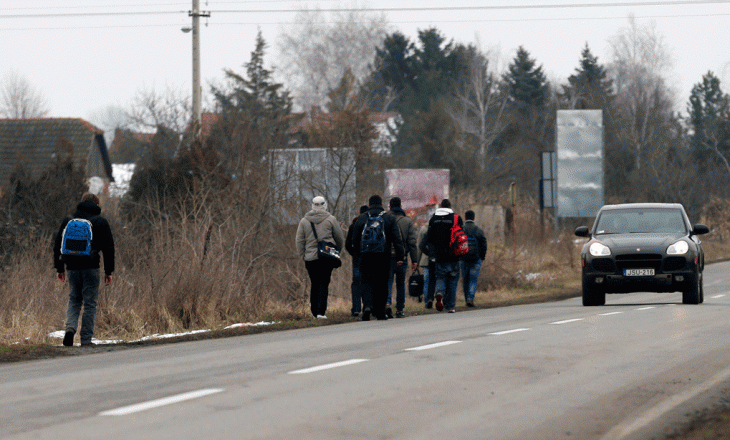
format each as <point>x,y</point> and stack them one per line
<point>318,49</point>
<point>640,59</point>
<point>20,100</point>
<point>479,105</point>
<point>151,109</point>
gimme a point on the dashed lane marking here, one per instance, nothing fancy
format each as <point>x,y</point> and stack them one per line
<point>567,321</point>
<point>610,313</point>
<point>717,296</point>
<point>646,308</point>
<point>506,332</point>
<point>131,409</point>
<point>328,366</point>
<point>430,346</point>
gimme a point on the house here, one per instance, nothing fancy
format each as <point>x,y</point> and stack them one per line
<point>37,141</point>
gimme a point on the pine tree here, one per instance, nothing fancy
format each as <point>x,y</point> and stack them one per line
<point>709,116</point>
<point>589,87</point>
<point>526,82</point>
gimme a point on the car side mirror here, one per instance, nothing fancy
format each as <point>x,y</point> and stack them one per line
<point>582,231</point>
<point>700,229</point>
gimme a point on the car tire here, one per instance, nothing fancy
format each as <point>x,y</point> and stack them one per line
<point>591,297</point>
<point>693,294</point>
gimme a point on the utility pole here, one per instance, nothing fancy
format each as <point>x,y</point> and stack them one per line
<point>195,13</point>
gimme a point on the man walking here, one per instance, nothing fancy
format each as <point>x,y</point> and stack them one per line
<point>408,235</point>
<point>356,285</point>
<point>76,258</point>
<point>471,263</point>
<point>436,243</point>
<point>374,234</point>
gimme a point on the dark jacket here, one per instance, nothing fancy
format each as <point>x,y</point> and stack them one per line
<point>475,231</point>
<point>349,244</point>
<point>102,241</point>
<point>435,242</point>
<point>392,236</point>
<point>408,233</point>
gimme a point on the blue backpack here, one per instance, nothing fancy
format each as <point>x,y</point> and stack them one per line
<point>373,235</point>
<point>77,236</point>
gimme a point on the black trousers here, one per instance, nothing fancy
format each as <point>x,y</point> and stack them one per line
<point>320,273</point>
<point>374,273</point>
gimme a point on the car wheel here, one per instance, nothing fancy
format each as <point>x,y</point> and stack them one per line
<point>693,294</point>
<point>591,297</point>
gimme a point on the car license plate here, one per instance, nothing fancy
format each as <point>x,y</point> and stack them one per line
<point>638,272</point>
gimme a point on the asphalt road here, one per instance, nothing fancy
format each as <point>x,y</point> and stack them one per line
<point>634,369</point>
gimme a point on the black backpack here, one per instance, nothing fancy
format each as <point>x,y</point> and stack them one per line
<point>373,235</point>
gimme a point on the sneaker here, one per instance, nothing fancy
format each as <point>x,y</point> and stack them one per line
<point>470,303</point>
<point>439,304</point>
<point>429,305</point>
<point>400,315</point>
<point>452,311</point>
<point>389,312</point>
<point>355,314</point>
<point>321,316</point>
<point>68,338</point>
<point>366,315</point>
<point>87,344</point>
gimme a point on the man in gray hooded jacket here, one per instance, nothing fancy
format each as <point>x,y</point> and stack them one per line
<point>320,271</point>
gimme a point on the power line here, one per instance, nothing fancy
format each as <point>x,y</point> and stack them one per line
<point>396,9</point>
<point>486,20</point>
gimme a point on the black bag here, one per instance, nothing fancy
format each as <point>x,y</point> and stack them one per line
<point>327,251</point>
<point>415,284</point>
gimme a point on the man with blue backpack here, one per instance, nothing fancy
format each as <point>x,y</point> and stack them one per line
<point>76,258</point>
<point>471,263</point>
<point>374,234</point>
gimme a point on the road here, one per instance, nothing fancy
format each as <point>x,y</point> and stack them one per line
<point>633,369</point>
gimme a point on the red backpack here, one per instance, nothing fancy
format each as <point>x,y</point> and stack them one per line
<point>459,242</point>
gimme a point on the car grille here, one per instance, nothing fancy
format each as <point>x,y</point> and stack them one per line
<point>604,265</point>
<point>638,261</point>
<point>674,263</point>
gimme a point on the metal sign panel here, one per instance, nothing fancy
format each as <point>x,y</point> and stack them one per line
<point>419,190</point>
<point>580,162</point>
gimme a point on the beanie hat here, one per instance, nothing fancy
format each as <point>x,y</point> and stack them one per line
<point>319,204</point>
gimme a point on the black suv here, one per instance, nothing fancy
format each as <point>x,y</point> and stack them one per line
<point>642,247</point>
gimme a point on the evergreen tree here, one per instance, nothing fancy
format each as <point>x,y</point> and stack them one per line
<point>526,82</point>
<point>589,87</point>
<point>709,116</point>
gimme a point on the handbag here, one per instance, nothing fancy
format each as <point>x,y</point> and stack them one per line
<point>415,284</point>
<point>327,251</point>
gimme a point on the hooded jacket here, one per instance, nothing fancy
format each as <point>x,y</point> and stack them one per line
<point>328,229</point>
<point>436,241</point>
<point>102,241</point>
<point>408,233</point>
<point>392,237</point>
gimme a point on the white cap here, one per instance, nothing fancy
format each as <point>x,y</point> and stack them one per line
<point>319,204</point>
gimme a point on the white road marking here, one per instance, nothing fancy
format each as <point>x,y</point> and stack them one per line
<point>131,409</point>
<point>646,308</point>
<point>609,313</point>
<point>717,296</point>
<point>567,321</point>
<point>624,429</point>
<point>328,366</point>
<point>430,346</point>
<point>505,332</point>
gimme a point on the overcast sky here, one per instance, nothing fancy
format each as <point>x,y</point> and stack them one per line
<point>84,63</point>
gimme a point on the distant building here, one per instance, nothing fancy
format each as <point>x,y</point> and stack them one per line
<point>37,141</point>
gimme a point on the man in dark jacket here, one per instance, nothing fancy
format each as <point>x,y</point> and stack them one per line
<point>436,245</point>
<point>356,286</point>
<point>471,263</point>
<point>408,234</point>
<point>82,272</point>
<point>375,265</point>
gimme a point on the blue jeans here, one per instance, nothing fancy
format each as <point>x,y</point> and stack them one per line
<point>397,274</point>
<point>83,290</point>
<point>447,277</point>
<point>426,296</point>
<point>470,274</point>
<point>355,288</point>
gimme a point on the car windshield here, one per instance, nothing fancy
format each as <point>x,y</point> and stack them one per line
<point>638,220</point>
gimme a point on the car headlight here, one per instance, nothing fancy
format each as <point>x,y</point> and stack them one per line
<point>678,248</point>
<point>599,250</point>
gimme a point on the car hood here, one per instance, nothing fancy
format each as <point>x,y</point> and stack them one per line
<point>645,242</point>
